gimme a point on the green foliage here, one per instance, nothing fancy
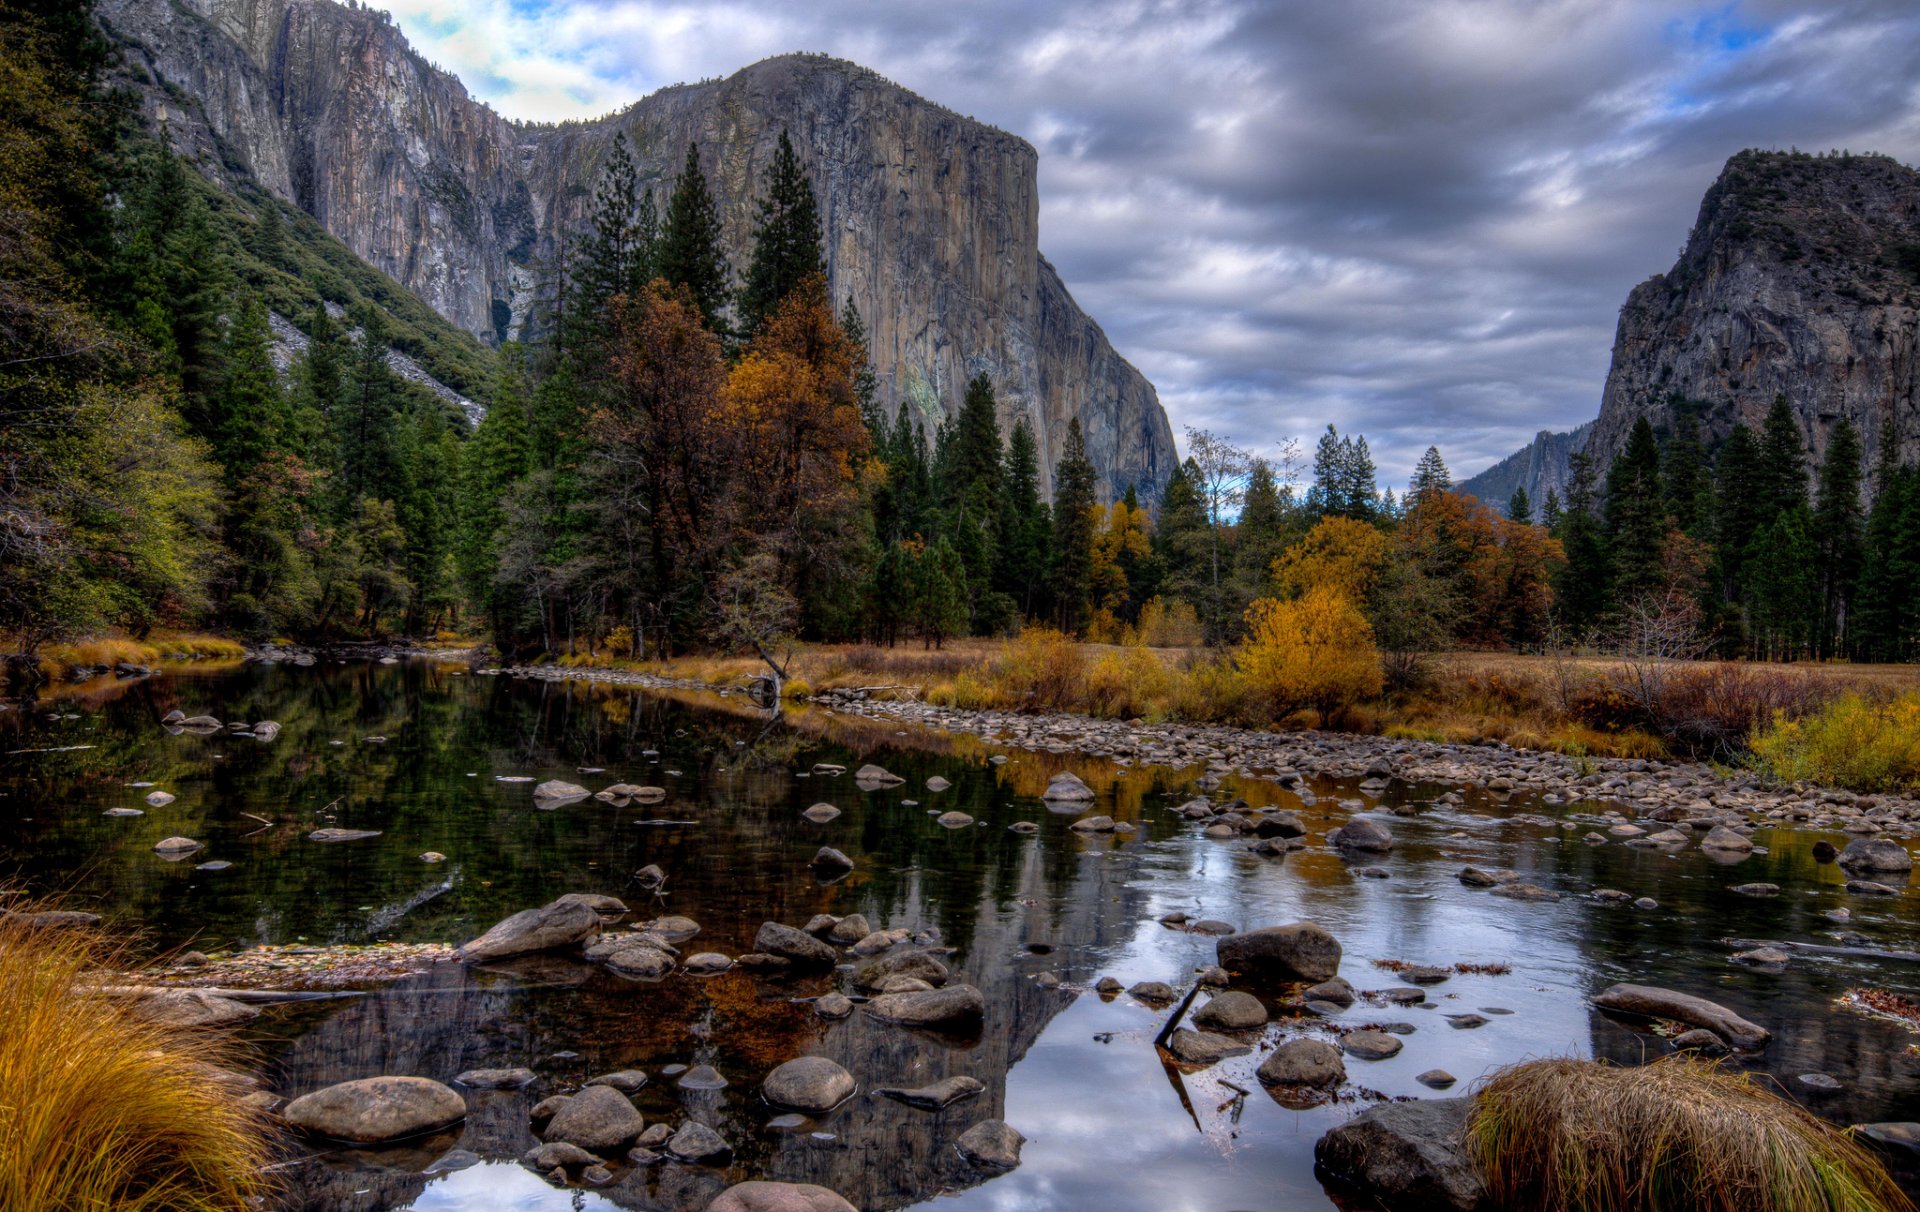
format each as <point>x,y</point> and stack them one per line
<point>689,252</point>
<point>786,241</point>
<point>1636,518</point>
<point>1343,478</point>
<point>1073,523</point>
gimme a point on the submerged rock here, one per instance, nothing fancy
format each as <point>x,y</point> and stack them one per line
<point>558,790</point>
<point>992,1144</point>
<point>342,835</point>
<point>935,1096</point>
<point>779,1197</point>
<point>1203,1047</point>
<point>829,859</point>
<point>376,1109</point>
<point>558,924</point>
<point>795,946</point>
<point>1363,834</point>
<point>598,1118</point>
<point>1875,854</point>
<point>1299,951</point>
<point>1068,788</point>
<point>1647,1001</point>
<point>954,1006</point>
<point>1370,1045</point>
<point>875,778</point>
<point>1406,1157</point>
<point>812,1084</point>
<point>695,1142</point>
<point>496,1079</point>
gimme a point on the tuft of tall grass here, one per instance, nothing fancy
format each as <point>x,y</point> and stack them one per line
<point>101,1111</point>
<point>1678,1135</point>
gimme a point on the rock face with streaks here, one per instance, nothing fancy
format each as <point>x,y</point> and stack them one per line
<point>1801,278</point>
<point>931,219</point>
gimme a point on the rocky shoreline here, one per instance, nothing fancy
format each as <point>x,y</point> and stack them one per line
<point>1675,792</point>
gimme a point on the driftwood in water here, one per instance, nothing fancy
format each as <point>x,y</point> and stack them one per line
<point>1747,944</point>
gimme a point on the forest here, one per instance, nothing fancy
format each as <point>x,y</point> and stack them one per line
<point>681,456</point>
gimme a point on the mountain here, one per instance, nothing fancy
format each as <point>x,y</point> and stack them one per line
<point>1539,466</point>
<point>1801,278</point>
<point>931,219</point>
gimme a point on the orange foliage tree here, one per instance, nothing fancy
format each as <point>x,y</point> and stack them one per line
<point>1497,568</point>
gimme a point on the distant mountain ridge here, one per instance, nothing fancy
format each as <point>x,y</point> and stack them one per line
<point>931,219</point>
<point>1801,278</point>
<point>1539,467</point>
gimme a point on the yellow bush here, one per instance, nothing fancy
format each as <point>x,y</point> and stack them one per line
<point>1339,554</point>
<point>1169,623</point>
<point>619,641</point>
<point>796,688</point>
<point>1126,683</point>
<point>1848,743</point>
<point>1210,691</point>
<point>1042,669</point>
<point>1316,651</point>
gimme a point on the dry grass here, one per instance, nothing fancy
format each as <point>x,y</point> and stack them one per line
<point>58,659</point>
<point>100,1110</point>
<point>1679,1135</point>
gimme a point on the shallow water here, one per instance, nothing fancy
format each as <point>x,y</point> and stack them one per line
<point>1109,1125</point>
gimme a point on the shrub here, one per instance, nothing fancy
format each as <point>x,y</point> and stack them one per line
<point>1041,669</point>
<point>1315,651</point>
<point>1170,623</point>
<point>1678,1135</point>
<point>619,641</point>
<point>103,1110</point>
<point>1210,690</point>
<point>1128,682</point>
<point>1339,554</point>
<point>1847,743</point>
<point>1712,710</point>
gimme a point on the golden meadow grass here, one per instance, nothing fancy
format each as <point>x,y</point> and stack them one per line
<point>1678,1135</point>
<point>102,1111</point>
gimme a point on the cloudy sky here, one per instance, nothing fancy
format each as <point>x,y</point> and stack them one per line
<point>1412,218</point>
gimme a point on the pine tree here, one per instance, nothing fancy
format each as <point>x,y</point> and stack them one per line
<point>1261,533</point>
<point>970,455</point>
<point>646,240</point>
<point>1520,506</point>
<point>1784,586</point>
<point>1685,480</point>
<point>690,253</point>
<point>491,461</point>
<point>250,417</point>
<point>1551,512</point>
<point>1888,620</point>
<point>1636,520</point>
<point>940,605</point>
<point>1782,483</point>
<point>786,240</point>
<point>1581,588</point>
<point>1020,556</point>
<point>1073,502</point>
<point>1838,535</point>
<point>1360,493</point>
<point>1430,477</point>
<point>364,425</point>
<point>1739,508</point>
<point>866,384</point>
<point>1181,536</point>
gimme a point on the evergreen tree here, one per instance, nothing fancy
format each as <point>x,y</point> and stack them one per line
<point>1784,586</point>
<point>1685,479</point>
<point>1782,472</point>
<point>646,239</point>
<point>1181,536</point>
<point>1581,588</point>
<point>1740,507</point>
<point>1838,535</point>
<point>1636,519</point>
<point>1551,512</point>
<point>250,417</point>
<point>1520,506</point>
<point>940,603</point>
<point>1261,533</point>
<point>1430,477</point>
<point>611,257</point>
<point>786,240</point>
<point>1020,555</point>
<point>690,253</point>
<point>1073,502</point>
<point>1888,621</point>
<point>364,425</point>
<point>491,461</point>
<point>866,384</point>
<point>970,455</point>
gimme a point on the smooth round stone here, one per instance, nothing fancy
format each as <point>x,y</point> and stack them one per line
<point>496,1079</point>
<point>1436,1079</point>
<point>1370,1045</point>
<point>702,1077</point>
<point>1819,1083</point>
<point>808,1083</point>
<point>1232,1011</point>
<point>788,1122</point>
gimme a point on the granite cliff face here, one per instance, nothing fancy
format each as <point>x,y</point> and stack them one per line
<point>1801,278</point>
<point>1539,467</point>
<point>931,218</point>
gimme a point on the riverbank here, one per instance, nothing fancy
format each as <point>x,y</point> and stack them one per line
<point>1664,790</point>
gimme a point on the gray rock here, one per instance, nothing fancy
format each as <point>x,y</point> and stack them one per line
<point>1362,834</point>
<point>1763,957</point>
<point>1370,1045</point>
<point>158,799</point>
<point>543,1158</point>
<point>376,1109</point>
<point>1068,788</point>
<point>874,778</point>
<point>829,859</point>
<point>953,1006</point>
<point>1299,951</point>
<point>1406,1157</point>
<point>1232,1011</point>
<point>903,984</point>
<point>342,835</point>
<point>820,814</point>
<point>1310,1063</point>
<point>1728,840</point>
<point>193,1008</point>
<point>1701,1040</point>
<point>991,1144</point>
<point>641,960</point>
<point>850,929</point>
<point>626,1081</point>
<point>496,1079</point>
<point>1875,854</point>
<point>953,820</point>
<point>598,1118</point>
<point>833,1006</point>
<point>695,1142</point>
<point>1647,1001</point>
<point>1436,1079</point>
<point>559,791</point>
<point>875,972</point>
<point>1525,892</point>
<point>1335,992</point>
<point>1152,991</point>
<point>561,923</point>
<point>795,946</point>
<point>1280,824</point>
<point>1093,824</point>
<point>547,1108</point>
<point>778,1197</point>
<point>1473,877</point>
<point>812,1084</point>
<point>1756,889</point>
<point>1893,1136</point>
<point>1203,1047</point>
<point>176,847</point>
<point>935,1096</point>
<point>700,1077</point>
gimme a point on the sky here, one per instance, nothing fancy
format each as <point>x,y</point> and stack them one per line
<point>1413,219</point>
